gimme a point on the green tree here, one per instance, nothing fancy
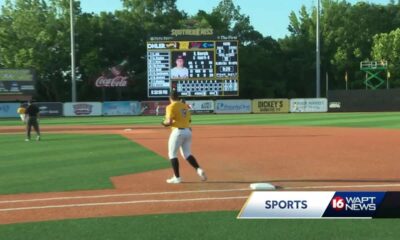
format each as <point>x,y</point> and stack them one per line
<point>227,19</point>
<point>346,39</point>
<point>386,46</point>
<point>32,36</point>
<point>261,70</point>
<point>299,55</point>
<point>157,17</point>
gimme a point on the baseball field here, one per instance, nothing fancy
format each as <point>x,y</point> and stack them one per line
<point>104,177</point>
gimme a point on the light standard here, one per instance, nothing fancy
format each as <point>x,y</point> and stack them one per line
<point>72,25</point>
<point>318,56</point>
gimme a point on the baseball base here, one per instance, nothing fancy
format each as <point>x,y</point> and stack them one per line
<point>262,186</point>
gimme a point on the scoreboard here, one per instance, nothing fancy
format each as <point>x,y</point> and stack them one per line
<point>194,68</point>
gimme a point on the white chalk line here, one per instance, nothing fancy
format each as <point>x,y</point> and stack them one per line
<point>343,186</point>
<point>121,203</point>
<point>123,195</point>
<point>169,193</point>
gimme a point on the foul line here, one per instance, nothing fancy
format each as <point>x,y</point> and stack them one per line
<point>190,192</point>
<point>343,186</point>
<point>122,203</point>
<point>123,195</point>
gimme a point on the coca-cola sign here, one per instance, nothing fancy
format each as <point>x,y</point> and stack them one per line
<point>116,76</point>
<point>118,81</point>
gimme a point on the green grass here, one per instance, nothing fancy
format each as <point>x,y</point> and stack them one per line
<point>201,226</point>
<point>70,162</point>
<point>368,120</point>
<point>64,162</point>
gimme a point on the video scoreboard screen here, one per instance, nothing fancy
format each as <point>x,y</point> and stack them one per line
<point>194,68</point>
<point>17,82</point>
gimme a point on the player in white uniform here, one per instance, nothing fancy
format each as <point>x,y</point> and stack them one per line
<point>178,117</point>
<point>180,71</point>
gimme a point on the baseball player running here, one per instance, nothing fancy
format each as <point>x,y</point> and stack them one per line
<point>178,117</point>
<point>21,111</point>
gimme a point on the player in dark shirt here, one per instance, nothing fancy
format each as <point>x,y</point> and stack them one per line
<point>32,115</point>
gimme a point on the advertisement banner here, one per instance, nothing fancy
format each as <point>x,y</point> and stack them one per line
<point>201,106</point>
<point>16,82</point>
<point>82,109</point>
<point>271,105</point>
<point>121,108</point>
<point>136,108</point>
<point>114,77</point>
<point>233,106</point>
<point>50,109</point>
<point>309,105</point>
<point>153,107</point>
<point>294,204</point>
<point>9,110</point>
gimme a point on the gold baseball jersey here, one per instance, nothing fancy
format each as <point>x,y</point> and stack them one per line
<point>179,113</point>
<point>21,110</point>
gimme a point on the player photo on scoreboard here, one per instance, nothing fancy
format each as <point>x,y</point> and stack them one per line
<point>179,65</point>
<point>192,64</point>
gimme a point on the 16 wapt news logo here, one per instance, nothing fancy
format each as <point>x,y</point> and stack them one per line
<point>354,204</point>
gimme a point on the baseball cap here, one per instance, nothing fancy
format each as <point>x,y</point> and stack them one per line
<point>180,57</point>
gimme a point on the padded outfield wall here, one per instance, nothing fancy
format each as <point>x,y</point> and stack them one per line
<point>364,100</point>
<point>131,108</point>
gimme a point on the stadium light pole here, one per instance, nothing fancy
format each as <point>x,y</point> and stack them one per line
<point>318,56</point>
<point>72,25</point>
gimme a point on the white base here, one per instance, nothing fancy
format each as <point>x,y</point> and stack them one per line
<point>262,186</point>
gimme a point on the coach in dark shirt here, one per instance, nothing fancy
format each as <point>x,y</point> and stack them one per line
<point>32,115</point>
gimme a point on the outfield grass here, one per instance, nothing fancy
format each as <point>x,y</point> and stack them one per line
<point>370,120</point>
<point>201,226</point>
<point>64,162</point>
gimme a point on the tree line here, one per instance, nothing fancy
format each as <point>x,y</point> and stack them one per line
<point>35,34</point>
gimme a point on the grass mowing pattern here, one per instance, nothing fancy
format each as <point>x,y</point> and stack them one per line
<point>64,162</point>
<point>370,120</point>
<point>200,226</point>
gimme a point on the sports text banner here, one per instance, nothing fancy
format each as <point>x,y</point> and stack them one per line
<point>270,105</point>
<point>269,205</point>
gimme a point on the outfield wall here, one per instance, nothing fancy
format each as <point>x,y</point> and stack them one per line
<point>233,106</point>
<point>51,109</point>
<point>134,108</point>
<point>82,109</point>
<point>308,105</point>
<point>123,108</point>
<point>201,106</point>
<point>364,100</point>
<point>270,105</point>
<point>8,110</point>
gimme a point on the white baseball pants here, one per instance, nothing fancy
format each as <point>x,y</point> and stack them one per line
<point>180,139</point>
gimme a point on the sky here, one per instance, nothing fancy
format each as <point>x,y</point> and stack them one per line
<point>270,17</point>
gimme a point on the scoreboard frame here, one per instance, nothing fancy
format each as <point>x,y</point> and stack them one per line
<point>162,51</point>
